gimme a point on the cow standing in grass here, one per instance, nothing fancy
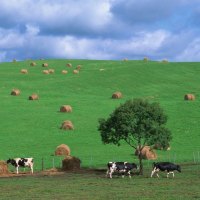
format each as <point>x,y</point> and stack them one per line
<point>165,166</point>
<point>120,167</point>
<point>21,162</point>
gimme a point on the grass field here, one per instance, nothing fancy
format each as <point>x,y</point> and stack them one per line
<point>92,184</point>
<point>31,128</point>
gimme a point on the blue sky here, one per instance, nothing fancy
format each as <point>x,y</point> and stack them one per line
<point>100,29</point>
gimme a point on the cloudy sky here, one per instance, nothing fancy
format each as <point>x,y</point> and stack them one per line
<point>100,29</point>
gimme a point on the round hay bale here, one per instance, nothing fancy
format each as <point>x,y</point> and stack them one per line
<point>45,65</point>
<point>51,71</point>
<point>45,71</point>
<point>24,71</point>
<point>125,59</point>
<point>147,153</point>
<point>3,167</point>
<point>64,71</point>
<point>146,59</point>
<point>189,97</point>
<point>71,163</point>
<point>62,149</point>
<point>117,95</point>
<point>78,67</point>
<point>15,92</point>
<point>33,64</point>
<point>75,71</point>
<point>165,61</point>
<point>66,108</point>
<point>67,125</point>
<point>69,65</point>
<point>33,97</point>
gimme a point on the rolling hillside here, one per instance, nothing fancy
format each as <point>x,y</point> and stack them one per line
<point>32,128</point>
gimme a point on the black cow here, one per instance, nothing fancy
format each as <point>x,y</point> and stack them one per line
<point>120,167</point>
<point>21,162</point>
<point>165,166</point>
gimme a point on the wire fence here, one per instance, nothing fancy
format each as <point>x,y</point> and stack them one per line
<point>91,161</point>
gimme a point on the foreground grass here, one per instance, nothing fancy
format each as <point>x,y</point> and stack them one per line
<point>92,184</point>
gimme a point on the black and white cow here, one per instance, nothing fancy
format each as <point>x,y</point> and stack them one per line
<point>165,166</point>
<point>120,167</point>
<point>21,162</point>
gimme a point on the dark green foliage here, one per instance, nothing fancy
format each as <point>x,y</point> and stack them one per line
<point>138,122</point>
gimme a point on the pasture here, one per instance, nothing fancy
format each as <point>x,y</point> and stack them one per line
<point>92,184</point>
<point>32,128</point>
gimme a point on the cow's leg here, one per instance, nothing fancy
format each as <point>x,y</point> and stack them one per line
<point>17,169</point>
<point>31,169</point>
<point>153,171</point>
<point>111,172</point>
<point>107,172</point>
<point>129,173</point>
<point>167,174</point>
<point>172,173</point>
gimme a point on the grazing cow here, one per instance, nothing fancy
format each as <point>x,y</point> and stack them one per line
<point>21,162</point>
<point>165,166</point>
<point>120,167</point>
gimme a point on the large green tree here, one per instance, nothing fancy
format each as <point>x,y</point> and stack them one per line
<point>138,123</point>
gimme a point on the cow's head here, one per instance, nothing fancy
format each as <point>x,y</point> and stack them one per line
<point>9,161</point>
<point>178,168</point>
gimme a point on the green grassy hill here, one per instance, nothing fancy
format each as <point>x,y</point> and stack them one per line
<point>31,128</point>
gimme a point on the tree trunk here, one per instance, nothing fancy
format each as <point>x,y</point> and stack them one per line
<point>140,163</point>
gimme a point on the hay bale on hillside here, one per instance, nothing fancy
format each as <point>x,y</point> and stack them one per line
<point>117,95</point>
<point>69,65</point>
<point>51,71</point>
<point>189,97</point>
<point>146,59</point>
<point>3,167</point>
<point>78,67</point>
<point>125,59</point>
<point>146,153</point>
<point>64,72</point>
<point>24,71</point>
<point>62,149</point>
<point>71,163</point>
<point>66,108</point>
<point>75,71</point>
<point>67,125</point>
<point>15,92</point>
<point>33,64</point>
<point>45,65</point>
<point>45,71</point>
<point>33,97</point>
<point>165,61</point>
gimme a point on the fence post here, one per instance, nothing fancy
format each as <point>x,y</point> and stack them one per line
<point>194,157</point>
<point>90,161</point>
<point>53,163</point>
<point>42,164</point>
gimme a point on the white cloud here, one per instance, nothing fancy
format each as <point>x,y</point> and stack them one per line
<point>191,52</point>
<point>100,29</point>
